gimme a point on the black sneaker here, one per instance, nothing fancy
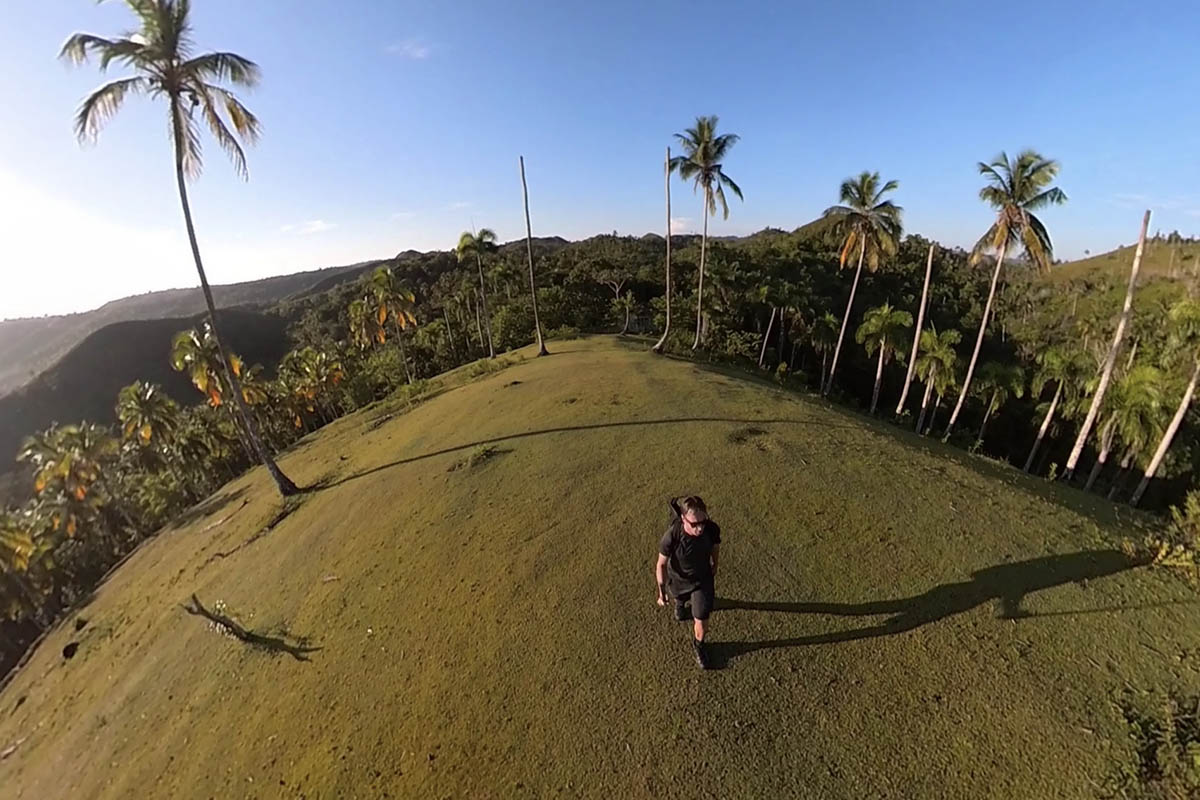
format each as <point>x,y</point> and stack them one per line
<point>681,612</point>
<point>701,656</point>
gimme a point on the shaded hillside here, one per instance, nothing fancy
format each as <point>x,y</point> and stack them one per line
<point>84,383</point>
<point>28,346</point>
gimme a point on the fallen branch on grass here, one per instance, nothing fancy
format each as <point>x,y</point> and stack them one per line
<point>273,644</point>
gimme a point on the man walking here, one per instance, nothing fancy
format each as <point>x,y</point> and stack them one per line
<point>687,567</point>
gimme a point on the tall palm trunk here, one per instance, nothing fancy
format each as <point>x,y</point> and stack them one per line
<point>782,328</point>
<point>700,288</point>
<point>925,399</point>
<point>1111,358</point>
<point>282,482</point>
<point>1119,480</point>
<point>912,361</point>
<point>878,379</point>
<point>403,352</point>
<point>1045,425</point>
<point>933,414</point>
<point>986,416</point>
<point>1106,440</point>
<point>1167,437</point>
<point>766,338</point>
<point>478,324</point>
<point>824,357</point>
<point>483,302</point>
<point>450,334</point>
<point>846,318</point>
<point>625,327</point>
<point>792,360</point>
<point>662,342</point>
<point>983,323</point>
<point>537,325</point>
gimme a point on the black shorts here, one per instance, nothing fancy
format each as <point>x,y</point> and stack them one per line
<point>702,599</point>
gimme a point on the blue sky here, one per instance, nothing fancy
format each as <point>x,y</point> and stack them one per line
<point>397,125</point>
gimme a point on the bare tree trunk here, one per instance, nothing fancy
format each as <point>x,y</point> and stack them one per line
<point>986,416</point>
<point>782,328</point>
<point>845,319</point>
<point>625,327</point>
<point>403,353</point>
<point>766,338</point>
<point>878,380</point>
<point>912,361</point>
<point>1106,437</point>
<point>483,302</point>
<point>478,325</point>
<point>700,288</point>
<point>983,323</point>
<point>824,356</point>
<point>1110,360</point>
<point>933,414</point>
<point>450,334</point>
<point>1045,426</point>
<point>662,342</point>
<point>282,482</point>
<point>1124,469</point>
<point>925,400</point>
<point>792,360</point>
<point>537,325</point>
<point>1167,437</point>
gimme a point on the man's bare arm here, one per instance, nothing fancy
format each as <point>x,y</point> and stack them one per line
<point>660,579</point>
<point>716,551</point>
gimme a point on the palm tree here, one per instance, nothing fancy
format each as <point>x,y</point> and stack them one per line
<point>394,301</point>
<point>1111,359</point>
<point>868,223</point>
<point>365,329</point>
<point>662,342</point>
<point>1132,413</point>
<point>160,53</point>
<point>626,303</point>
<point>702,163</point>
<point>998,381</point>
<point>881,329</point>
<point>1066,371</point>
<point>199,355</point>
<point>537,323</point>
<point>1015,189</point>
<point>912,359</point>
<point>146,413</point>
<point>824,334</point>
<point>68,463</point>
<point>477,246</point>
<point>937,360</point>
<point>1184,318</point>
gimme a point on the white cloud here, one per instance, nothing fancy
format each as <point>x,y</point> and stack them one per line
<point>458,204</point>
<point>683,225</point>
<point>413,49</point>
<point>312,226</point>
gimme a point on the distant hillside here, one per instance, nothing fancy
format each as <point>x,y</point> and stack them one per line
<point>84,383</point>
<point>1161,259</point>
<point>28,346</point>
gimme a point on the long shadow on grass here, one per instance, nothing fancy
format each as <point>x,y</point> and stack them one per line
<point>570,428</point>
<point>1006,583</point>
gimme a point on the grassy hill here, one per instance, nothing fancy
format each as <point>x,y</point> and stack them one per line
<point>83,384</point>
<point>484,623</point>
<point>1160,260</point>
<point>29,346</point>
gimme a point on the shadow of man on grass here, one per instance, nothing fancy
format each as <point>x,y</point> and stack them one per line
<point>1007,584</point>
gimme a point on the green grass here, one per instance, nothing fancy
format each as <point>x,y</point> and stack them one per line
<point>491,631</point>
<point>1157,261</point>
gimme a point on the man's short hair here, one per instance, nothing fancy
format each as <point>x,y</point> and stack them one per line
<point>693,503</point>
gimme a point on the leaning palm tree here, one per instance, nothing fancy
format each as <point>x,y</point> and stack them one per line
<point>702,163</point>
<point>998,381</point>
<point>1184,319</point>
<point>662,341</point>
<point>867,223</point>
<point>160,53</point>
<point>912,359</point>
<point>1110,360</point>
<point>395,301</point>
<point>1132,413</point>
<point>1066,370</point>
<point>881,330</point>
<point>937,359</point>
<point>477,245</point>
<point>537,323</point>
<point>823,335</point>
<point>1016,188</point>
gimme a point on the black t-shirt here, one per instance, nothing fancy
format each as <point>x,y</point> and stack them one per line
<point>688,564</point>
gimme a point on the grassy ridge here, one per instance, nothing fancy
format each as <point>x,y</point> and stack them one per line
<point>489,630</point>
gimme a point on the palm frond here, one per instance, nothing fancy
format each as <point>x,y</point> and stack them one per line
<point>728,181</point>
<point>223,66</point>
<point>221,132</point>
<point>1051,196</point>
<point>102,104</point>
<point>186,138</point>
<point>1037,244</point>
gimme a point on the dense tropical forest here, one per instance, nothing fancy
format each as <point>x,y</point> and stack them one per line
<point>1088,378</point>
